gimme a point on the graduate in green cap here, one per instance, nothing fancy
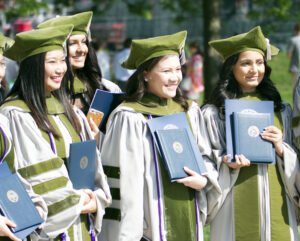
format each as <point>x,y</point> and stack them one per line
<point>84,75</point>
<point>83,60</point>
<point>258,201</point>
<point>146,205</point>
<point>43,124</point>
<point>7,154</point>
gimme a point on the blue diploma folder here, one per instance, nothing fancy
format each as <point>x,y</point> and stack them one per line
<point>247,139</point>
<point>105,102</point>
<point>82,164</point>
<point>245,106</point>
<point>177,121</point>
<point>177,152</point>
<point>17,206</point>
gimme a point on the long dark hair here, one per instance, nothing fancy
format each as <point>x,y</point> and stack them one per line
<point>90,74</point>
<point>229,88</point>
<point>30,87</point>
<point>137,86</point>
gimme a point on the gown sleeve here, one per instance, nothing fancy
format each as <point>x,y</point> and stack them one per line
<point>296,115</point>
<point>202,138</point>
<point>289,167</point>
<point>123,148</point>
<point>226,176</point>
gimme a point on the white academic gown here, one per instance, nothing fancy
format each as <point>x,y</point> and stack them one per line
<point>296,128</point>
<point>221,207</point>
<point>128,147</point>
<point>32,150</point>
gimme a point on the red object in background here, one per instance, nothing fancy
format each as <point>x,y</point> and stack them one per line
<point>115,32</point>
<point>118,25</point>
<point>22,26</point>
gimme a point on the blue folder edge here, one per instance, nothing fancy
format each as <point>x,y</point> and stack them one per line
<point>25,232</point>
<point>175,121</point>
<point>239,106</point>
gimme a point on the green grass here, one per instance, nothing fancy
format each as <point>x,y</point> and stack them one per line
<point>282,80</point>
<point>206,232</point>
<point>281,77</point>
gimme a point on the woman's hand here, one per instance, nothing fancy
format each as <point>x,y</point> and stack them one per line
<point>273,134</point>
<point>5,231</point>
<point>91,206</point>
<point>95,130</point>
<point>240,161</point>
<point>195,180</point>
<point>86,196</point>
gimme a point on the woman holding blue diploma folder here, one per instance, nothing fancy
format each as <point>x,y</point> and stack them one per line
<point>146,204</point>
<point>258,200</point>
<point>7,154</point>
<point>43,124</point>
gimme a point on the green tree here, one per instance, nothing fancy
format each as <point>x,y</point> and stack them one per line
<point>183,9</point>
<point>212,26</point>
<point>22,8</point>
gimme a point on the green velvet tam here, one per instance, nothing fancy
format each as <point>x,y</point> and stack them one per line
<point>81,22</point>
<point>145,49</point>
<point>5,43</point>
<point>34,42</point>
<point>252,40</point>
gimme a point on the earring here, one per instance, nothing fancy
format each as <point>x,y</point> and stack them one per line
<point>146,80</point>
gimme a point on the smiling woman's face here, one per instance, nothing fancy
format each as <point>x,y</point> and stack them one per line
<point>55,68</point>
<point>249,70</point>
<point>77,50</point>
<point>164,78</point>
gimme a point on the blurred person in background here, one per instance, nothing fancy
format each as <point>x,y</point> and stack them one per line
<point>193,81</point>
<point>12,70</point>
<point>4,43</point>
<point>103,56</point>
<point>293,53</point>
<point>122,74</point>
